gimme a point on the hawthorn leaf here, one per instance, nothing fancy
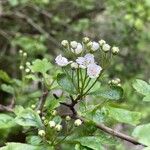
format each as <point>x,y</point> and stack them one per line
<point>41,66</point>
<point>8,88</point>
<point>147,98</point>
<point>4,76</point>
<point>123,115</point>
<point>65,83</point>
<point>34,140</point>
<point>112,93</point>
<point>93,142</point>
<point>142,87</point>
<point>142,133</point>
<point>28,117</point>
<point>6,121</point>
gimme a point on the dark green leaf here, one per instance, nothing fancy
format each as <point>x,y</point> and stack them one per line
<point>65,83</point>
<point>7,88</point>
<point>34,140</point>
<point>4,76</point>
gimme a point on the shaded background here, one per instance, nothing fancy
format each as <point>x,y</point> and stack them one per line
<point>38,27</point>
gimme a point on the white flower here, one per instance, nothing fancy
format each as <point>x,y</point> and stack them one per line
<point>58,127</point>
<point>95,46</point>
<point>68,118</point>
<point>52,124</point>
<point>41,133</point>
<point>101,42</point>
<point>93,70</point>
<point>74,65</point>
<point>106,47</point>
<point>85,61</point>
<point>73,44</point>
<point>61,61</point>
<point>64,43</point>
<point>78,49</point>
<point>115,50</point>
<point>78,122</point>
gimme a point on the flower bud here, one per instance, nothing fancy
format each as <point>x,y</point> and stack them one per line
<point>102,42</point>
<point>33,106</point>
<point>86,40</point>
<point>58,127</point>
<point>78,49</point>
<point>52,124</point>
<point>74,65</point>
<point>41,133</point>
<point>27,70</point>
<point>106,47</point>
<point>73,44</point>
<point>45,122</point>
<point>118,80</point>
<point>68,118</point>
<point>89,44</point>
<point>43,117</point>
<point>25,54</point>
<point>115,50</point>
<point>20,51</point>
<point>21,67</point>
<point>64,43</point>
<point>77,122</point>
<point>38,111</point>
<point>119,84</point>
<point>28,63</point>
<point>54,113</point>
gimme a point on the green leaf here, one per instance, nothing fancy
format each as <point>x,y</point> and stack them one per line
<point>65,83</point>
<point>19,146</point>
<point>113,93</point>
<point>34,140</point>
<point>41,66</point>
<point>6,121</point>
<point>7,88</point>
<point>93,142</point>
<point>142,87</point>
<point>142,133</point>
<point>123,115</point>
<point>4,76</point>
<point>28,117</point>
<point>147,98</point>
<point>52,103</point>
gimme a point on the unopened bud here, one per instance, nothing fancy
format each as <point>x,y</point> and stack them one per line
<point>106,47</point>
<point>41,133</point>
<point>102,42</point>
<point>33,106</point>
<point>115,50</point>
<point>52,124</point>
<point>21,67</point>
<point>27,70</point>
<point>86,40</point>
<point>77,122</point>
<point>58,127</point>
<point>20,51</point>
<point>28,63</point>
<point>74,65</point>
<point>64,43</point>
<point>95,46</point>
<point>73,44</point>
<point>38,111</point>
<point>43,117</point>
<point>68,118</point>
<point>25,54</point>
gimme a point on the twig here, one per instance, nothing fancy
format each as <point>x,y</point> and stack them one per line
<point>42,101</point>
<point>115,133</point>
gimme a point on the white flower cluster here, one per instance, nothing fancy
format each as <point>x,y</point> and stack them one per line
<point>86,61</point>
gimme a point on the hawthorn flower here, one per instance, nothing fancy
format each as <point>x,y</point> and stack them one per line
<point>64,43</point>
<point>78,49</point>
<point>61,61</point>
<point>73,44</point>
<point>74,65</point>
<point>85,61</point>
<point>77,122</point>
<point>58,127</point>
<point>115,50</point>
<point>52,124</point>
<point>41,133</point>
<point>102,42</point>
<point>94,46</point>
<point>93,70</point>
<point>106,47</point>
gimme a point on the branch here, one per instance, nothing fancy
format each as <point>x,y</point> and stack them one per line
<point>42,101</point>
<point>114,133</point>
<point>8,108</point>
